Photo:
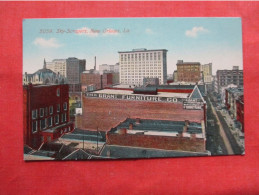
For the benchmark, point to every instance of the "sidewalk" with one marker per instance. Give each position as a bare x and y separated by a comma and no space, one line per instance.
236,132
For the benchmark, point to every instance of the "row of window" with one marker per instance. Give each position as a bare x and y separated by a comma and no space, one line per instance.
47,111
140,75
140,63
137,79
143,56
48,122
137,72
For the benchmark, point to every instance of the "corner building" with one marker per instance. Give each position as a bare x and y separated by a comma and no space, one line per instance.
188,71
142,63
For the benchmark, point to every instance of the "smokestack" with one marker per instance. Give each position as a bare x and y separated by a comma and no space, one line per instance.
44,64
130,126
94,62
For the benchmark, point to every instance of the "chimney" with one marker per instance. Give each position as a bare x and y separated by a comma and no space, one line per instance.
130,126
186,122
44,64
193,136
108,153
180,134
184,129
94,62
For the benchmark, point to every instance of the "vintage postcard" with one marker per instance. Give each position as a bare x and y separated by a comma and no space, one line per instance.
110,88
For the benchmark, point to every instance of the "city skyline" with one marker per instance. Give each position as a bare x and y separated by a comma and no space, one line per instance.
205,40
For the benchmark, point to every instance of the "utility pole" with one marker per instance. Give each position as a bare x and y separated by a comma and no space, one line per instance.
97,138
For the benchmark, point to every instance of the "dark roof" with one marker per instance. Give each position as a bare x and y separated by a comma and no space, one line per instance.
44,70
78,154
160,125
138,152
86,135
27,149
145,90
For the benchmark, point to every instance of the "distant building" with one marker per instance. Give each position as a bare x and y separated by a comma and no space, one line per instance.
105,68
140,63
46,113
151,81
227,77
91,80
206,70
188,71
175,77
44,76
71,68
159,134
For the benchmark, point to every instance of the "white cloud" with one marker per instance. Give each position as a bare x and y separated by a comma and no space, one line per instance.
195,31
47,43
149,31
87,32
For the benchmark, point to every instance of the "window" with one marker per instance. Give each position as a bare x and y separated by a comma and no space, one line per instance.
56,119
65,106
46,111
51,110
41,112
50,121
34,114
42,124
58,107
34,126
58,92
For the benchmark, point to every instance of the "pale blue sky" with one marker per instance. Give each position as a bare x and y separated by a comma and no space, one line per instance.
216,40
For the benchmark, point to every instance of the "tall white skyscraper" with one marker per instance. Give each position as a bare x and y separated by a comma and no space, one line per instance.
138,64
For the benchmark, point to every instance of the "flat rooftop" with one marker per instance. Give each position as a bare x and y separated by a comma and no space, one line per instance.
160,127
126,92
115,151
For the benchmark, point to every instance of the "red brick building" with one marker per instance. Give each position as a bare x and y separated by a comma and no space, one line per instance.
159,134
234,102
91,80
240,110
45,113
107,79
105,109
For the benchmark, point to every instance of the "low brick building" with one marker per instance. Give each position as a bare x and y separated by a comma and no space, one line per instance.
159,134
45,113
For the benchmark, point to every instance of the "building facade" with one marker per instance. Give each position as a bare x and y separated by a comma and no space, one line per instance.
228,77
206,70
188,71
71,69
109,68
104,109
91,80
140,63
159,134
46,113
234,102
